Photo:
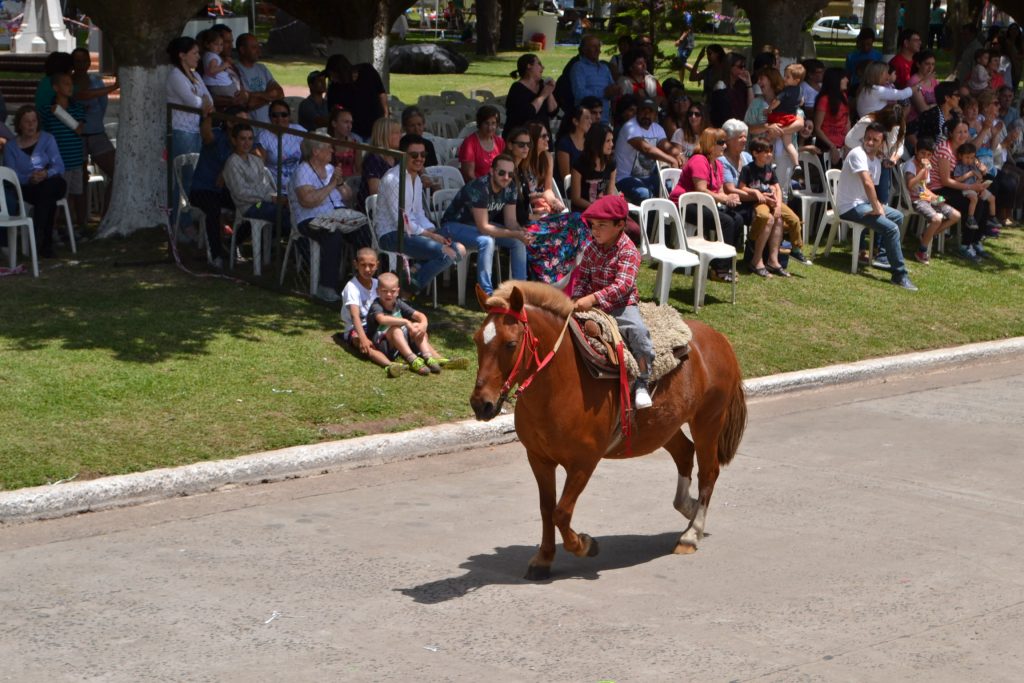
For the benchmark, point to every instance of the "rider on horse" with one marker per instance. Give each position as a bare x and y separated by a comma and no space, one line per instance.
607,279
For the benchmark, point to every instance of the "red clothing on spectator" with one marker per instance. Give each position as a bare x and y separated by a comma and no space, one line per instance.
835,127
903,67
471,150
699,168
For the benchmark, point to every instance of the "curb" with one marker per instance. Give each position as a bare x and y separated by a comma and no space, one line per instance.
45,502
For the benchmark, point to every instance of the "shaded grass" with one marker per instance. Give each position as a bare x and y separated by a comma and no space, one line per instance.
113,368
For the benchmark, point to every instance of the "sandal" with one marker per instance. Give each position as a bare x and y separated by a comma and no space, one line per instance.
778,270
720,277
761,272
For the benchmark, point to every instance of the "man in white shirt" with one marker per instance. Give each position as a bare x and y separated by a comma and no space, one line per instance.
857,202
641,144
421,241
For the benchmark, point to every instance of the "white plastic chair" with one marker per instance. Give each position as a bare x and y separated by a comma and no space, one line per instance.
61,203
809,199
260,229
15,221
180,162
393,256
656,246
442,125
450,178
669,178
467,130
707,250
835,223
314,259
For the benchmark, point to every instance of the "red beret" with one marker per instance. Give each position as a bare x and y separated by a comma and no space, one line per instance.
609,207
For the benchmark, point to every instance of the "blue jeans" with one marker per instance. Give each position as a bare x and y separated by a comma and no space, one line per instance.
471,237
638,189
420,248
888,227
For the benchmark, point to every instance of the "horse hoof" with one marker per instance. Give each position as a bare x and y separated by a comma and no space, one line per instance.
684,549
594,548
536,572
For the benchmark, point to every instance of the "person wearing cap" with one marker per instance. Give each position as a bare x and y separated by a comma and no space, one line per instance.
865,52
313,110
641,144
606,279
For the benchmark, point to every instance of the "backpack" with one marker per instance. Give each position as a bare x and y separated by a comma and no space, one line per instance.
563,88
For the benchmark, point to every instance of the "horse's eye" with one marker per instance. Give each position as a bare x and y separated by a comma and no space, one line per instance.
510,344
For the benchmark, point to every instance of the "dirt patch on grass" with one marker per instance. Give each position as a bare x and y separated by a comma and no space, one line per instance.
350,429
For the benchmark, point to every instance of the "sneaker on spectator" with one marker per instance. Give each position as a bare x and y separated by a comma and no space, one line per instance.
981,252
881,262
217,263
864,259
921,256
433,365
992,232
967,251
453,363
395,369
419,366
972,223
799,256
904,282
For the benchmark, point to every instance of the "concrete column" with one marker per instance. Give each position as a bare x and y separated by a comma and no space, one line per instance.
42,30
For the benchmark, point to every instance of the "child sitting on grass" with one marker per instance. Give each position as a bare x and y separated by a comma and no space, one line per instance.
936,211
969,170
782,111
359,293
399,330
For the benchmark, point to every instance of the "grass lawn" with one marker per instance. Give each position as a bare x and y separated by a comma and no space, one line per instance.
111,367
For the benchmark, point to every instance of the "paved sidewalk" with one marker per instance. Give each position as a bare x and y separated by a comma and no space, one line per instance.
868,532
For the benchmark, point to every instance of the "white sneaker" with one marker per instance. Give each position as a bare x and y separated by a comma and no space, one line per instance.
642,399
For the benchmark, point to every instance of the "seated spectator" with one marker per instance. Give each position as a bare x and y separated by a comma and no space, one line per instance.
733,94
249,182
481,147
876,91
857,202
536,177
832,114
34,156
313,109
674,117
970,171
91,92
400,331
483,214
421,241
939,215
414,123
593,174
768,213
640,146
531,97
386,135
704,173
931,123
347,158
638,82
208,193
291,152
356,298
570,141
892,122
69,141
315,192
687,137
735,156
924,76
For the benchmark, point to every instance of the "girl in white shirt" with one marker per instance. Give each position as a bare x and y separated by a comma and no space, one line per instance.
876,90
216,71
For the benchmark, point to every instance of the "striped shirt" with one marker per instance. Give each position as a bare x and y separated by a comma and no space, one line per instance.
72,150
609,273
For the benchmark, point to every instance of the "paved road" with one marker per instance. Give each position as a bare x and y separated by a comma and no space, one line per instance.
868,533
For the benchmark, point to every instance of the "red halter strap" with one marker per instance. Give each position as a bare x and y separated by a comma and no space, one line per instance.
528,345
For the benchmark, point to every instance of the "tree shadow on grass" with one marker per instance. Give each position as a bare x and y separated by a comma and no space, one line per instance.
507,565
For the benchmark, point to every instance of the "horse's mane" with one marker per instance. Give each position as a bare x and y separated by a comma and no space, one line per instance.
534,293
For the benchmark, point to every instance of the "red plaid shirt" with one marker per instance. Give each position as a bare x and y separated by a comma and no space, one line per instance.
609,273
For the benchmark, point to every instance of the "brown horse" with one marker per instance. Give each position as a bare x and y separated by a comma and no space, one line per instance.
566,417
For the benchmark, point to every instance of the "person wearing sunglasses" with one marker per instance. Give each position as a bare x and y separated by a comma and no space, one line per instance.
687,136
483,214
421,241
291,152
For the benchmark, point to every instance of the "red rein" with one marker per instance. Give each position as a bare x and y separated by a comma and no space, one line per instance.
529,340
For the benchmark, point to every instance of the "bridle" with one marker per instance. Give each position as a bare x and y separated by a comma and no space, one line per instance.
528,350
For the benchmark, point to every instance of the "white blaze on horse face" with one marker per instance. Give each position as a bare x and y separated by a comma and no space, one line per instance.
490,332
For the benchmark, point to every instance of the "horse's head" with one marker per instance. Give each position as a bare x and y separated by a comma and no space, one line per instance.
497,346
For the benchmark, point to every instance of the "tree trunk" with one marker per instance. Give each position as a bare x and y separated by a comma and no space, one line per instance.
780,22
890,30
728,9
486,26
870,17
960,12
916,16
139,32
511,13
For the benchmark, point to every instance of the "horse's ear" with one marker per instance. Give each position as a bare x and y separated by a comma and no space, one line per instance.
482,297
515,302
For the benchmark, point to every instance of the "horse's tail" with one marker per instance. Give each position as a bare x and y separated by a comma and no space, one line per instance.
735,423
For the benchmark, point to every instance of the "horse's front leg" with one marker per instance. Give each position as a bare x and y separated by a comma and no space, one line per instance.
544,471
576,478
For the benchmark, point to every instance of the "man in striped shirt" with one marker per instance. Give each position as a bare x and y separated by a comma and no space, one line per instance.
607,280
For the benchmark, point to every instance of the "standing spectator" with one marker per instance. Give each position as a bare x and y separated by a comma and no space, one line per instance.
641,144
478,151
531,97
91,93
358,88
865,52
421,241
615,64
876,91
1013,48
832,114
208,193
313,109
980,76
56,63
571,135
704,173
34,157
1007,113
936,25
260,86
903,62
69,141
592,78
637,81
686,42
715,71
184,87
731,96
280,166
857,202
386,134
483,214
347,158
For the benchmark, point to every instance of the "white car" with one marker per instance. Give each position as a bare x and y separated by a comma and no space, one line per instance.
835,27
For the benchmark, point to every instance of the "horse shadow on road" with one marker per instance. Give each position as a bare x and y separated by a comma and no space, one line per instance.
507,565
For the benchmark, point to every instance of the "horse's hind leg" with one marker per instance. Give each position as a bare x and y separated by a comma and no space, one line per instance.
540,564
681,450
706,442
